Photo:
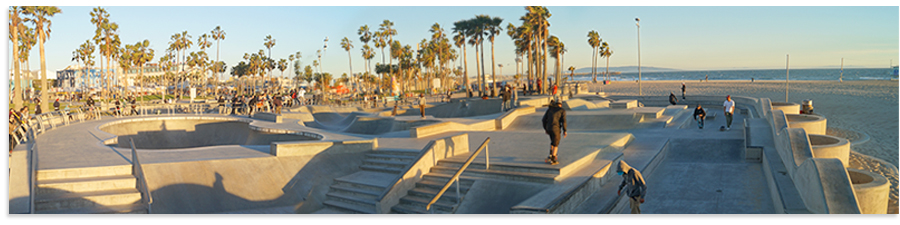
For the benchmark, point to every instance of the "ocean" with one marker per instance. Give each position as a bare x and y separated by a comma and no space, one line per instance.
772,74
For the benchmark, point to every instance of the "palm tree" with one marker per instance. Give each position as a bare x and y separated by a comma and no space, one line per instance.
217,34
203,42
368,53
461,28
396,52
365,36
100,18
594,42
85,54
536,17
140,54
493,29
184,44
40,16
556,50
571,73
605,51
269,42
346,44
282,65
388,31
16,24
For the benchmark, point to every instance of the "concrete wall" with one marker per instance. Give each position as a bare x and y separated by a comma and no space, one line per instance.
504,121
433,152
787,107
311,148
827,146
271,117
812,123
872,191
437,128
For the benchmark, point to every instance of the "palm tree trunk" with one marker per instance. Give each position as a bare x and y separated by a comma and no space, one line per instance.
594,64
607,67
493,75
17,94
466,72
45,89
483,72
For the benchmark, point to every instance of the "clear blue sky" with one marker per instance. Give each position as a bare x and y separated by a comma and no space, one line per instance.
680,37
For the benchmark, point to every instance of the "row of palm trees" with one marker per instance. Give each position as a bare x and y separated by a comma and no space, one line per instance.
39,17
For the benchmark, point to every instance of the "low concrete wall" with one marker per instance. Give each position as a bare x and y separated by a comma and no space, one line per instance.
872,191
827,146
504,121
812,123
437,128
272,117
787,107
311,148
435,151
302,116
825,187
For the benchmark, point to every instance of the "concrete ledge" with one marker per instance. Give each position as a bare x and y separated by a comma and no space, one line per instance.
787,107
872,191
268,117
437,128
825,187
623,104
812,123
433,152
302,116
506,119
649,112
567,196
311,148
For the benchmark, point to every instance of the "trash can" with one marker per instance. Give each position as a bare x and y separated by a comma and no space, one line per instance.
807,107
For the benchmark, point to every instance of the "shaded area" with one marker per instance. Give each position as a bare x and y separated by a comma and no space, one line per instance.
172,134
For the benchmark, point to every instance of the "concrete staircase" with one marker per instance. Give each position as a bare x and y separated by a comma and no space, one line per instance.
109,189
358,192
417,198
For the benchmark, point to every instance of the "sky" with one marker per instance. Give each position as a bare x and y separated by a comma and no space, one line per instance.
678,37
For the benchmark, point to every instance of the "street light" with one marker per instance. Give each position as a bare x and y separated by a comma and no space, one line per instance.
637,21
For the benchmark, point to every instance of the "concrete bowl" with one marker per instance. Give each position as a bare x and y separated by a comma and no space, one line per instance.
813,124
871,191
827,146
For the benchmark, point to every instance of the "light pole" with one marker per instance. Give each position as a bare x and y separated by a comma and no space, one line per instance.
637,21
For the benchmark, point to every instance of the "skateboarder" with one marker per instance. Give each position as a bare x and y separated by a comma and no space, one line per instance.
633,184
672,98
682,90
699,116
554,120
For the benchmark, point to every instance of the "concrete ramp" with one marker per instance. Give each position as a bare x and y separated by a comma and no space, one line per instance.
381,125
461,108
183,133
581,121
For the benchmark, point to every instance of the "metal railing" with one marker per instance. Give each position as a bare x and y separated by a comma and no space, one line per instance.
138,172
455,178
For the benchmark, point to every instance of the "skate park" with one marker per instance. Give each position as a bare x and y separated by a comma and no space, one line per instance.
335,160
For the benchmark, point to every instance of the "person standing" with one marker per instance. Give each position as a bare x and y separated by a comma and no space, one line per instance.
221,102
504,94
278,103
133,103
682,90
421,105
56,105
729,111
672,98
633,184
553,121
699,116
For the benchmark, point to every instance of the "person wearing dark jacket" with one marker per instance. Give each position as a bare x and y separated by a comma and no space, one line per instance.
699,116
278,103
633,184
672,98
504,94
553,121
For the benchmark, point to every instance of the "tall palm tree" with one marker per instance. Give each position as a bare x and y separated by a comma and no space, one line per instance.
346,44
100,19
536,17
16,24
368,53
594,42
387,30
141,54
203,42
571,73
217,34
364,36
492,27
461,28
605,51
85,54
269,42
396,52
184,44
556,50
39,17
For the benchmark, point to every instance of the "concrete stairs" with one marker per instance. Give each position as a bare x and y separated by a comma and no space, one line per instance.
109,189
357,192
417,198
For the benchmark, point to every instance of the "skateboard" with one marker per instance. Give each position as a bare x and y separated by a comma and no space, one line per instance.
551,161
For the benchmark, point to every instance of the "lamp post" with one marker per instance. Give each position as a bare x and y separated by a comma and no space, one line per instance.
637,21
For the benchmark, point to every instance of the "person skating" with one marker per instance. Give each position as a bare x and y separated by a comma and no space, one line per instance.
729,111
553,121
699,116
633,184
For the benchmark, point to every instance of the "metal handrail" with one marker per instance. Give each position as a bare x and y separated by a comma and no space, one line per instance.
455,178
138,171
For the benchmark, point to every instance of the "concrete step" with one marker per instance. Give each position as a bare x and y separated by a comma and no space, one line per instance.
57,201
83,184
436,185
363,193
421,202
439,179
53,174
382,169
350,199
388,157
386,163
457,163
411,209
505,175
137,208
449,196
347,207
366,180
394,151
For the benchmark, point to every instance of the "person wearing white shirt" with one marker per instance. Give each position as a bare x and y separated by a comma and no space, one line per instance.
729,111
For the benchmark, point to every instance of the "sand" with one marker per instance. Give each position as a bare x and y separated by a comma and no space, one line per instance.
854,109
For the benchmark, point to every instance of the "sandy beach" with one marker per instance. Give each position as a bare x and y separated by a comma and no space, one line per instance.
865,112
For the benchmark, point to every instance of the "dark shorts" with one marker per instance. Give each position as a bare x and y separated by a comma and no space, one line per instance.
554,137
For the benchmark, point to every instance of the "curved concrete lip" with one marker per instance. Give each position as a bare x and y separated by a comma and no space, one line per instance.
252,124
865,179
783,103
803,117
826,140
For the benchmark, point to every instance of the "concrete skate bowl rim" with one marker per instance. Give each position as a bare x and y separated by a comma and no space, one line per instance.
357,118
114,139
